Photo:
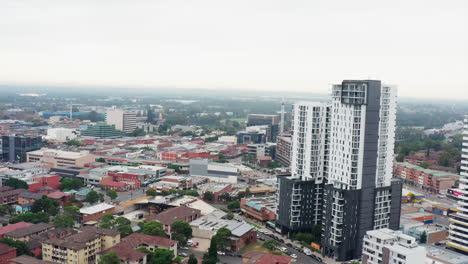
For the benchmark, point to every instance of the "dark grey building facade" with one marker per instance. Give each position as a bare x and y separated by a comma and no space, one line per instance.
14,148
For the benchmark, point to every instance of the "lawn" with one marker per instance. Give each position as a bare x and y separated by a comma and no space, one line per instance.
256,226
258,246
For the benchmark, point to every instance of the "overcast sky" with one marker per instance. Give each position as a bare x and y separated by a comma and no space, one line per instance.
419,45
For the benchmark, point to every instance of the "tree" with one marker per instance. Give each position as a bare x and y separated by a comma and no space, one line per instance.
221,238
138,132
162,256
102,160
230,216
17,184
271,244
211,257
233,205
225,197
425,165
209,196
151,192
64,221
125,230
247,191
109,258
92,197
45,204
112,194
192,193
74,142
412,198
153,228
423,238
21,247
6,209
71,210
181,231
192,259
40,217
70,184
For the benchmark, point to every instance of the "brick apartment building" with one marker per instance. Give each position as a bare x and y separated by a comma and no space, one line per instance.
429,180
6,253
96,212
181,213
52,181
8,195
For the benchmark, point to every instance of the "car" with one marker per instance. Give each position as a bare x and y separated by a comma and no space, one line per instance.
293,256
289,245
183,254
261,238
184,248
221,253
283,249
281,240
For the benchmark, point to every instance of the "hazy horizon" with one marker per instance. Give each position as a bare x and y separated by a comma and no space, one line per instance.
262,46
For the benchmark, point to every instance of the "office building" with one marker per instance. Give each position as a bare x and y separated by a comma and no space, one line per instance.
360,194
15,147
283,150
458,233
262,120
388,246
122,120
300,195
60,158
102,130
61,134
215,172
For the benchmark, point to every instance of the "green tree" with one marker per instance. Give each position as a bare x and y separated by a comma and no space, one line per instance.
271,244
74,143
211,257
17,184
40,217
112,194
125,230
103,160
67,184
109,258
92,197
181,231
64,221
192,259
230,216
192,193
71,210
138,132
423,238
225,197
153,228
6,209
151,192
162,256
233,205
21,247
45,204
222,238
425,165
209,196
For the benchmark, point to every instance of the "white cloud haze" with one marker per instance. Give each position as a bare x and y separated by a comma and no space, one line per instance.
419,45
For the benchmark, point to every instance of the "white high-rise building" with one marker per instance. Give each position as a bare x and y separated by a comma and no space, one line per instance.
300,196
458,233
388,246
360,194
122,120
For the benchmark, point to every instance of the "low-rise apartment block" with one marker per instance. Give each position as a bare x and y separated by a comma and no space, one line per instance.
388,246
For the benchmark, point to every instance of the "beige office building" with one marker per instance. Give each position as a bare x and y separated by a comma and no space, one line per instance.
60,158
122,120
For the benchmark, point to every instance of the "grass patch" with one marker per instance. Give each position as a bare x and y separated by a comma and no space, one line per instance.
258,246
256,226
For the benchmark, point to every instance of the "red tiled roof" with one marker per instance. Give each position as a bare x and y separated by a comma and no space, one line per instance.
124,252
274,259
4,249
13,227
135,240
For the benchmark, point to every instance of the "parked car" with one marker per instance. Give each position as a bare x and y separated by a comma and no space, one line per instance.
183,254
283,249
221,253
293,256
289,245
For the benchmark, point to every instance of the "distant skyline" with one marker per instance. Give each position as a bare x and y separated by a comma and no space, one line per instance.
265,45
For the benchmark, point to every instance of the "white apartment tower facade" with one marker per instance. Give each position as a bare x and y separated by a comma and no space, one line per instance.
341,168
300,195
458,232
122,120
360,194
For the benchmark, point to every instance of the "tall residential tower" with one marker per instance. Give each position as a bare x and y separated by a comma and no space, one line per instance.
458,233
360,194
341,168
